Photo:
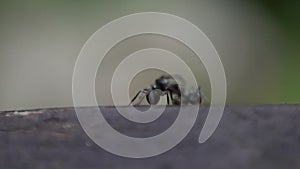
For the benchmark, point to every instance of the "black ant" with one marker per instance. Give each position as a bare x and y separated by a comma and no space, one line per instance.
166,85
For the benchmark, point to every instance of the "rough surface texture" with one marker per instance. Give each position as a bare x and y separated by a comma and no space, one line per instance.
248,137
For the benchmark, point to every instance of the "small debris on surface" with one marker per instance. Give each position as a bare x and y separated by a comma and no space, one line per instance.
23,113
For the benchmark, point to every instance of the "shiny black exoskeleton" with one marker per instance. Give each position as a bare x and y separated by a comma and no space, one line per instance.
167,86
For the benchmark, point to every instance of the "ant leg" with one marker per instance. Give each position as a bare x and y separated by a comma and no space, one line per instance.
172,99
141,91
135,97
168,101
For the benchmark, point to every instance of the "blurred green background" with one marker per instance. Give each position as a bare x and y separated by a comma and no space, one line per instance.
258,42
287,15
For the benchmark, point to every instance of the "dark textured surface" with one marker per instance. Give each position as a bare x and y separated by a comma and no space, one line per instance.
248,137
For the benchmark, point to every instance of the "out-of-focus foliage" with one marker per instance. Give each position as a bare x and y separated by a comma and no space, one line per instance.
287,14
258,42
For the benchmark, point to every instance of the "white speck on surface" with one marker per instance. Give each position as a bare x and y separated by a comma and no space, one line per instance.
23,113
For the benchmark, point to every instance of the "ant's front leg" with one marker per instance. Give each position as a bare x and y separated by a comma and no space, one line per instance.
145,91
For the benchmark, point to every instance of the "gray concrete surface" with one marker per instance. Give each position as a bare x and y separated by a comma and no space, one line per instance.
248,137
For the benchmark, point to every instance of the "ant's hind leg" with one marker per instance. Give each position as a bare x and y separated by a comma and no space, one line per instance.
171,96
